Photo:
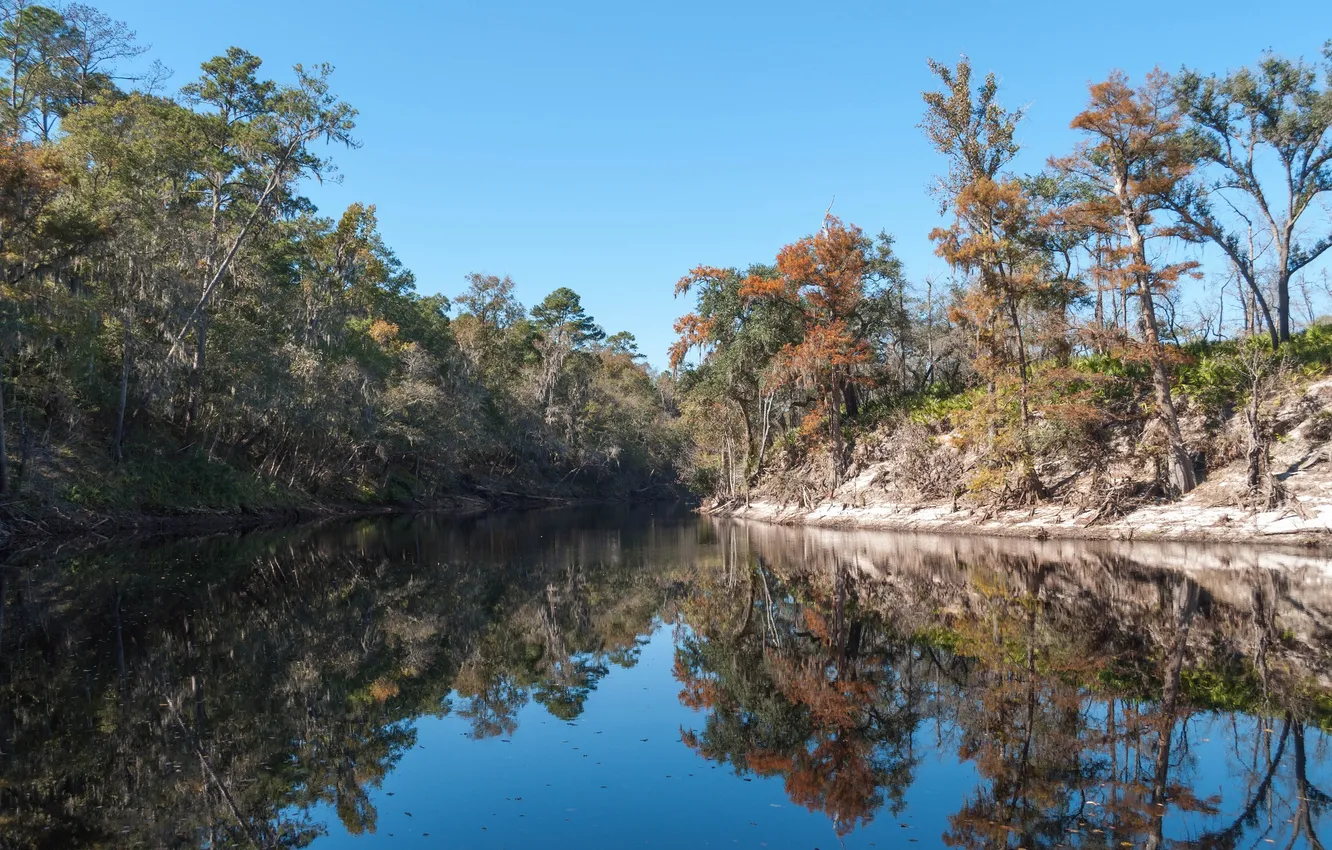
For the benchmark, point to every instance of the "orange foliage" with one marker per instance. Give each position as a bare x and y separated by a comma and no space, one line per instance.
694,332
385,334
698,274
382,690
822,277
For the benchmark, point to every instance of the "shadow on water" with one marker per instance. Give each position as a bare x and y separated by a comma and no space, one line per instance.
259,690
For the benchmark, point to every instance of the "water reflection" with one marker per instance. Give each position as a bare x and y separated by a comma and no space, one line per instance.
239,690
1071,677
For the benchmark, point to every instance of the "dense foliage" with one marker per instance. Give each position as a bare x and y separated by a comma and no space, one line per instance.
1062,331
180,327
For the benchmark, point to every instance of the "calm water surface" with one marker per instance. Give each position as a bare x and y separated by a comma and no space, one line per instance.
651,679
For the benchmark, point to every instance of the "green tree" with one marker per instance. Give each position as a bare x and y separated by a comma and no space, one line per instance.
1278,108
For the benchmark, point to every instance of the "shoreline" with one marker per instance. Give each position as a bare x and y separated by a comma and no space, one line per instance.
22,535
21,532
1308,526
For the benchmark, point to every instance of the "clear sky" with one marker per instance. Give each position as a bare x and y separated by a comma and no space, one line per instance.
610,147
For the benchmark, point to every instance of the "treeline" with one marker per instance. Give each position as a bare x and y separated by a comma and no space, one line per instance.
180,326
1060,330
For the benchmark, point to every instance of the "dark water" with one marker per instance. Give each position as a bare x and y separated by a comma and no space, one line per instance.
617,679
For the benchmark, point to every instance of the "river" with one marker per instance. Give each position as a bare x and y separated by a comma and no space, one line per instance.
610,678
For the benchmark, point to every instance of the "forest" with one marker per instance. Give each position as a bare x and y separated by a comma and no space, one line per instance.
182,330
1059,360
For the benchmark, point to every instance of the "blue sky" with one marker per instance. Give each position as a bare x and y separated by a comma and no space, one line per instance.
610,147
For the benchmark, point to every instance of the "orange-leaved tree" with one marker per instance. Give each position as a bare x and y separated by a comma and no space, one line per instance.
822,278
1136,157
993,239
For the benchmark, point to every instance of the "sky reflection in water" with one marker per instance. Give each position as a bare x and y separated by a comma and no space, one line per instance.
630,680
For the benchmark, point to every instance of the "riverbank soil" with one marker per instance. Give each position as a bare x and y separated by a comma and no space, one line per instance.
901,477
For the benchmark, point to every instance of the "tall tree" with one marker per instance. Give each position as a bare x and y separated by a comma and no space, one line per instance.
97,45
993,235
563,328
737,339
1278,108
130,164
828,280
1135,155
259,139
34,41
561,314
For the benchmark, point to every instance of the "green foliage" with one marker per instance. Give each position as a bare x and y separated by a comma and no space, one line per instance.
1212,377
1221,690
321,371
940,637
937,405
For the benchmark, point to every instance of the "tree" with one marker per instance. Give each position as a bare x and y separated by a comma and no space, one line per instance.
96,46
974,132
1277,108
490,299
130,164
563,328
833,282
623,343
34,40
258,139
994,235
1136,157
30,244
737,339
560,314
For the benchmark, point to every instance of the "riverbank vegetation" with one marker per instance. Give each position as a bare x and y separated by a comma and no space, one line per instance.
181,328
1060,360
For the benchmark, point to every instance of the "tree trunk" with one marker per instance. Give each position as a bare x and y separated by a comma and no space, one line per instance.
1178,462
835,424
1283,306
852,399
1250,276
749,434
1257,454
1185,605
1022,365
117,440
4,448
197,370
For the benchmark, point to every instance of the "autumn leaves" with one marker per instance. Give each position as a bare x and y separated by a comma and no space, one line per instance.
832,325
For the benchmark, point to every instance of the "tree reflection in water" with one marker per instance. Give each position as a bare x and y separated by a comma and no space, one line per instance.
216,693
1072,685
211,693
